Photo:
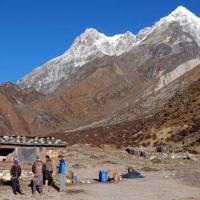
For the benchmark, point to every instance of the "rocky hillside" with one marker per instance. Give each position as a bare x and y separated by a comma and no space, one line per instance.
17,115
86,47
176,125
108,97
11,114
171,33
149,73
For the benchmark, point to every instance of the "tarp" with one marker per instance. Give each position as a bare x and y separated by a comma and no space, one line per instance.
134,174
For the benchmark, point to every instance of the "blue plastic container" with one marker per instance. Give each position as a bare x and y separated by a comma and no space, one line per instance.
103,176
74,179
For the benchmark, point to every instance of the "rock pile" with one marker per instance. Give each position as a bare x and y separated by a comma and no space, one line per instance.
5,175
31,141
160,153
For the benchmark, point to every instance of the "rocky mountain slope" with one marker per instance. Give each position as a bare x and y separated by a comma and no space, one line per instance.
176,125
92,44
112,84
17,115
86,47
11,117
105,83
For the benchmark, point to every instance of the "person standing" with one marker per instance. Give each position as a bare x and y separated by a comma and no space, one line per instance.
15,173
49,171
62,168
38,168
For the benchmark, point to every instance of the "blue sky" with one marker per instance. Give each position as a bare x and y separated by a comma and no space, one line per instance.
35,31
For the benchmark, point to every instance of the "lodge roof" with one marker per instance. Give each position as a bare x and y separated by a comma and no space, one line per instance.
31,141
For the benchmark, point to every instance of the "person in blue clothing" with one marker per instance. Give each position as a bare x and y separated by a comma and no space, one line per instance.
62,169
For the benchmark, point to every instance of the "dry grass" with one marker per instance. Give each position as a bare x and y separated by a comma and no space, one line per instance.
109,162
149,169
75,191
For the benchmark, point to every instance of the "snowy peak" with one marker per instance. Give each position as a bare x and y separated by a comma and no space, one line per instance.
89,37
180,11
184,18
93,40
182,14
92,44
91,32
88,46
188,20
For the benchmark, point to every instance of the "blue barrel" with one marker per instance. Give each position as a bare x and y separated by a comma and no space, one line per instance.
103,176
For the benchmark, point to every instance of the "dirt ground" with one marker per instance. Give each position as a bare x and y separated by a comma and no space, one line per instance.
164,180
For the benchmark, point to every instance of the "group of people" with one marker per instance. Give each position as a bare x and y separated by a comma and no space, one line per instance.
43,175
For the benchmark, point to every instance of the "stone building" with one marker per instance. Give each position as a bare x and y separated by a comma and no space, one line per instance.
28,148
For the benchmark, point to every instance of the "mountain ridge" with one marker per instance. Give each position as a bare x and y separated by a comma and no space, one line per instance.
110,90
92,44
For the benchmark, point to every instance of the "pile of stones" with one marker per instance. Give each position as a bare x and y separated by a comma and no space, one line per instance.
160,153
22,140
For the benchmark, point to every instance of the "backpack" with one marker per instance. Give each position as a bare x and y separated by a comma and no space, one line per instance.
38,168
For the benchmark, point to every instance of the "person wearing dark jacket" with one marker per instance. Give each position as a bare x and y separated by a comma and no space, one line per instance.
49,173
49,170
15,173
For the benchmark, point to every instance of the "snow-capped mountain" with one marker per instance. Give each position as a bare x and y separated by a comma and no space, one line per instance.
139,75
86,47
189,22
92,44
